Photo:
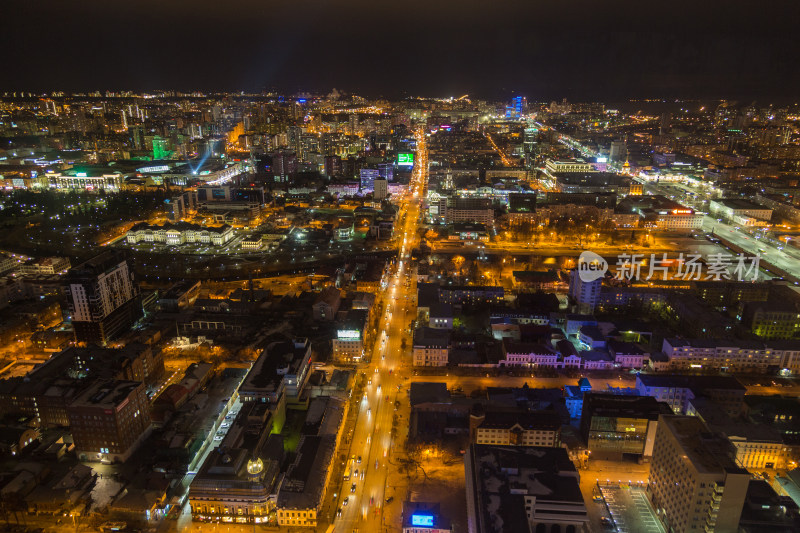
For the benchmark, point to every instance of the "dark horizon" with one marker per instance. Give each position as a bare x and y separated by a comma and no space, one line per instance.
578,50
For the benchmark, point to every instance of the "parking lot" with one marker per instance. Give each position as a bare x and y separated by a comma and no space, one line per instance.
629,509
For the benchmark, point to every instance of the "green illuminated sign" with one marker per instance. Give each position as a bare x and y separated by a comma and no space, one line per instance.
405,159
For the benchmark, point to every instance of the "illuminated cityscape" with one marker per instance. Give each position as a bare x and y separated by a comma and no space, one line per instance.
505,277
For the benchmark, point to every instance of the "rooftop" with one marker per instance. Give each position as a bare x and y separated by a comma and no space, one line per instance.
303,484
504,475
708,453
106,394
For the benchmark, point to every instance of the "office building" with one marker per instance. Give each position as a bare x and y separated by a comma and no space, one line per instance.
618,425
368,177
517,108
109,420
478,210
103,298
282,368
694,484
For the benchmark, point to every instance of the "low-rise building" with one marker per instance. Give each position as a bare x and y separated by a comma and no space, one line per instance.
180,296
179,233
424,517
431,347
470,294
627,355
678,391
237,480
773,319
326,305
530,355
44,266
516,428
734,355
302,490
516,488
731,208
440,316
757,446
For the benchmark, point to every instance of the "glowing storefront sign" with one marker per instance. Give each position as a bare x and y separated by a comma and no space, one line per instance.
424,520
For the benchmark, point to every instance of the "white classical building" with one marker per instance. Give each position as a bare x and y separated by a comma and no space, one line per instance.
180,233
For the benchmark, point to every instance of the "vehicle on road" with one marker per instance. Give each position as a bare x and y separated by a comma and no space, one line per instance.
346,500
353,487
390,499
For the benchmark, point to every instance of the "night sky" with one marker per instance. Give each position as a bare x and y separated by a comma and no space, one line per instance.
545,49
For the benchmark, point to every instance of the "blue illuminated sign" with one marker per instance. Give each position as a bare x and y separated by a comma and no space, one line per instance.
425,520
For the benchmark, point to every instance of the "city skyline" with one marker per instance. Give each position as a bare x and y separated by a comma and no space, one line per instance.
588,52
418,267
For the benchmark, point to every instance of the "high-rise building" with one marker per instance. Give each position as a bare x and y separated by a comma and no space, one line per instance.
109,419
103,298
618,151
518,106
284,165
585,293
175,208
333,165
161,148
381,189
694,484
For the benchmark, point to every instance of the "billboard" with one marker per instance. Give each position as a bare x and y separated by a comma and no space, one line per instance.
348,334
424,520
405,159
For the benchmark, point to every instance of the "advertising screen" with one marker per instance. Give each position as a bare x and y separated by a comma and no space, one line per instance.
422,520
405,160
